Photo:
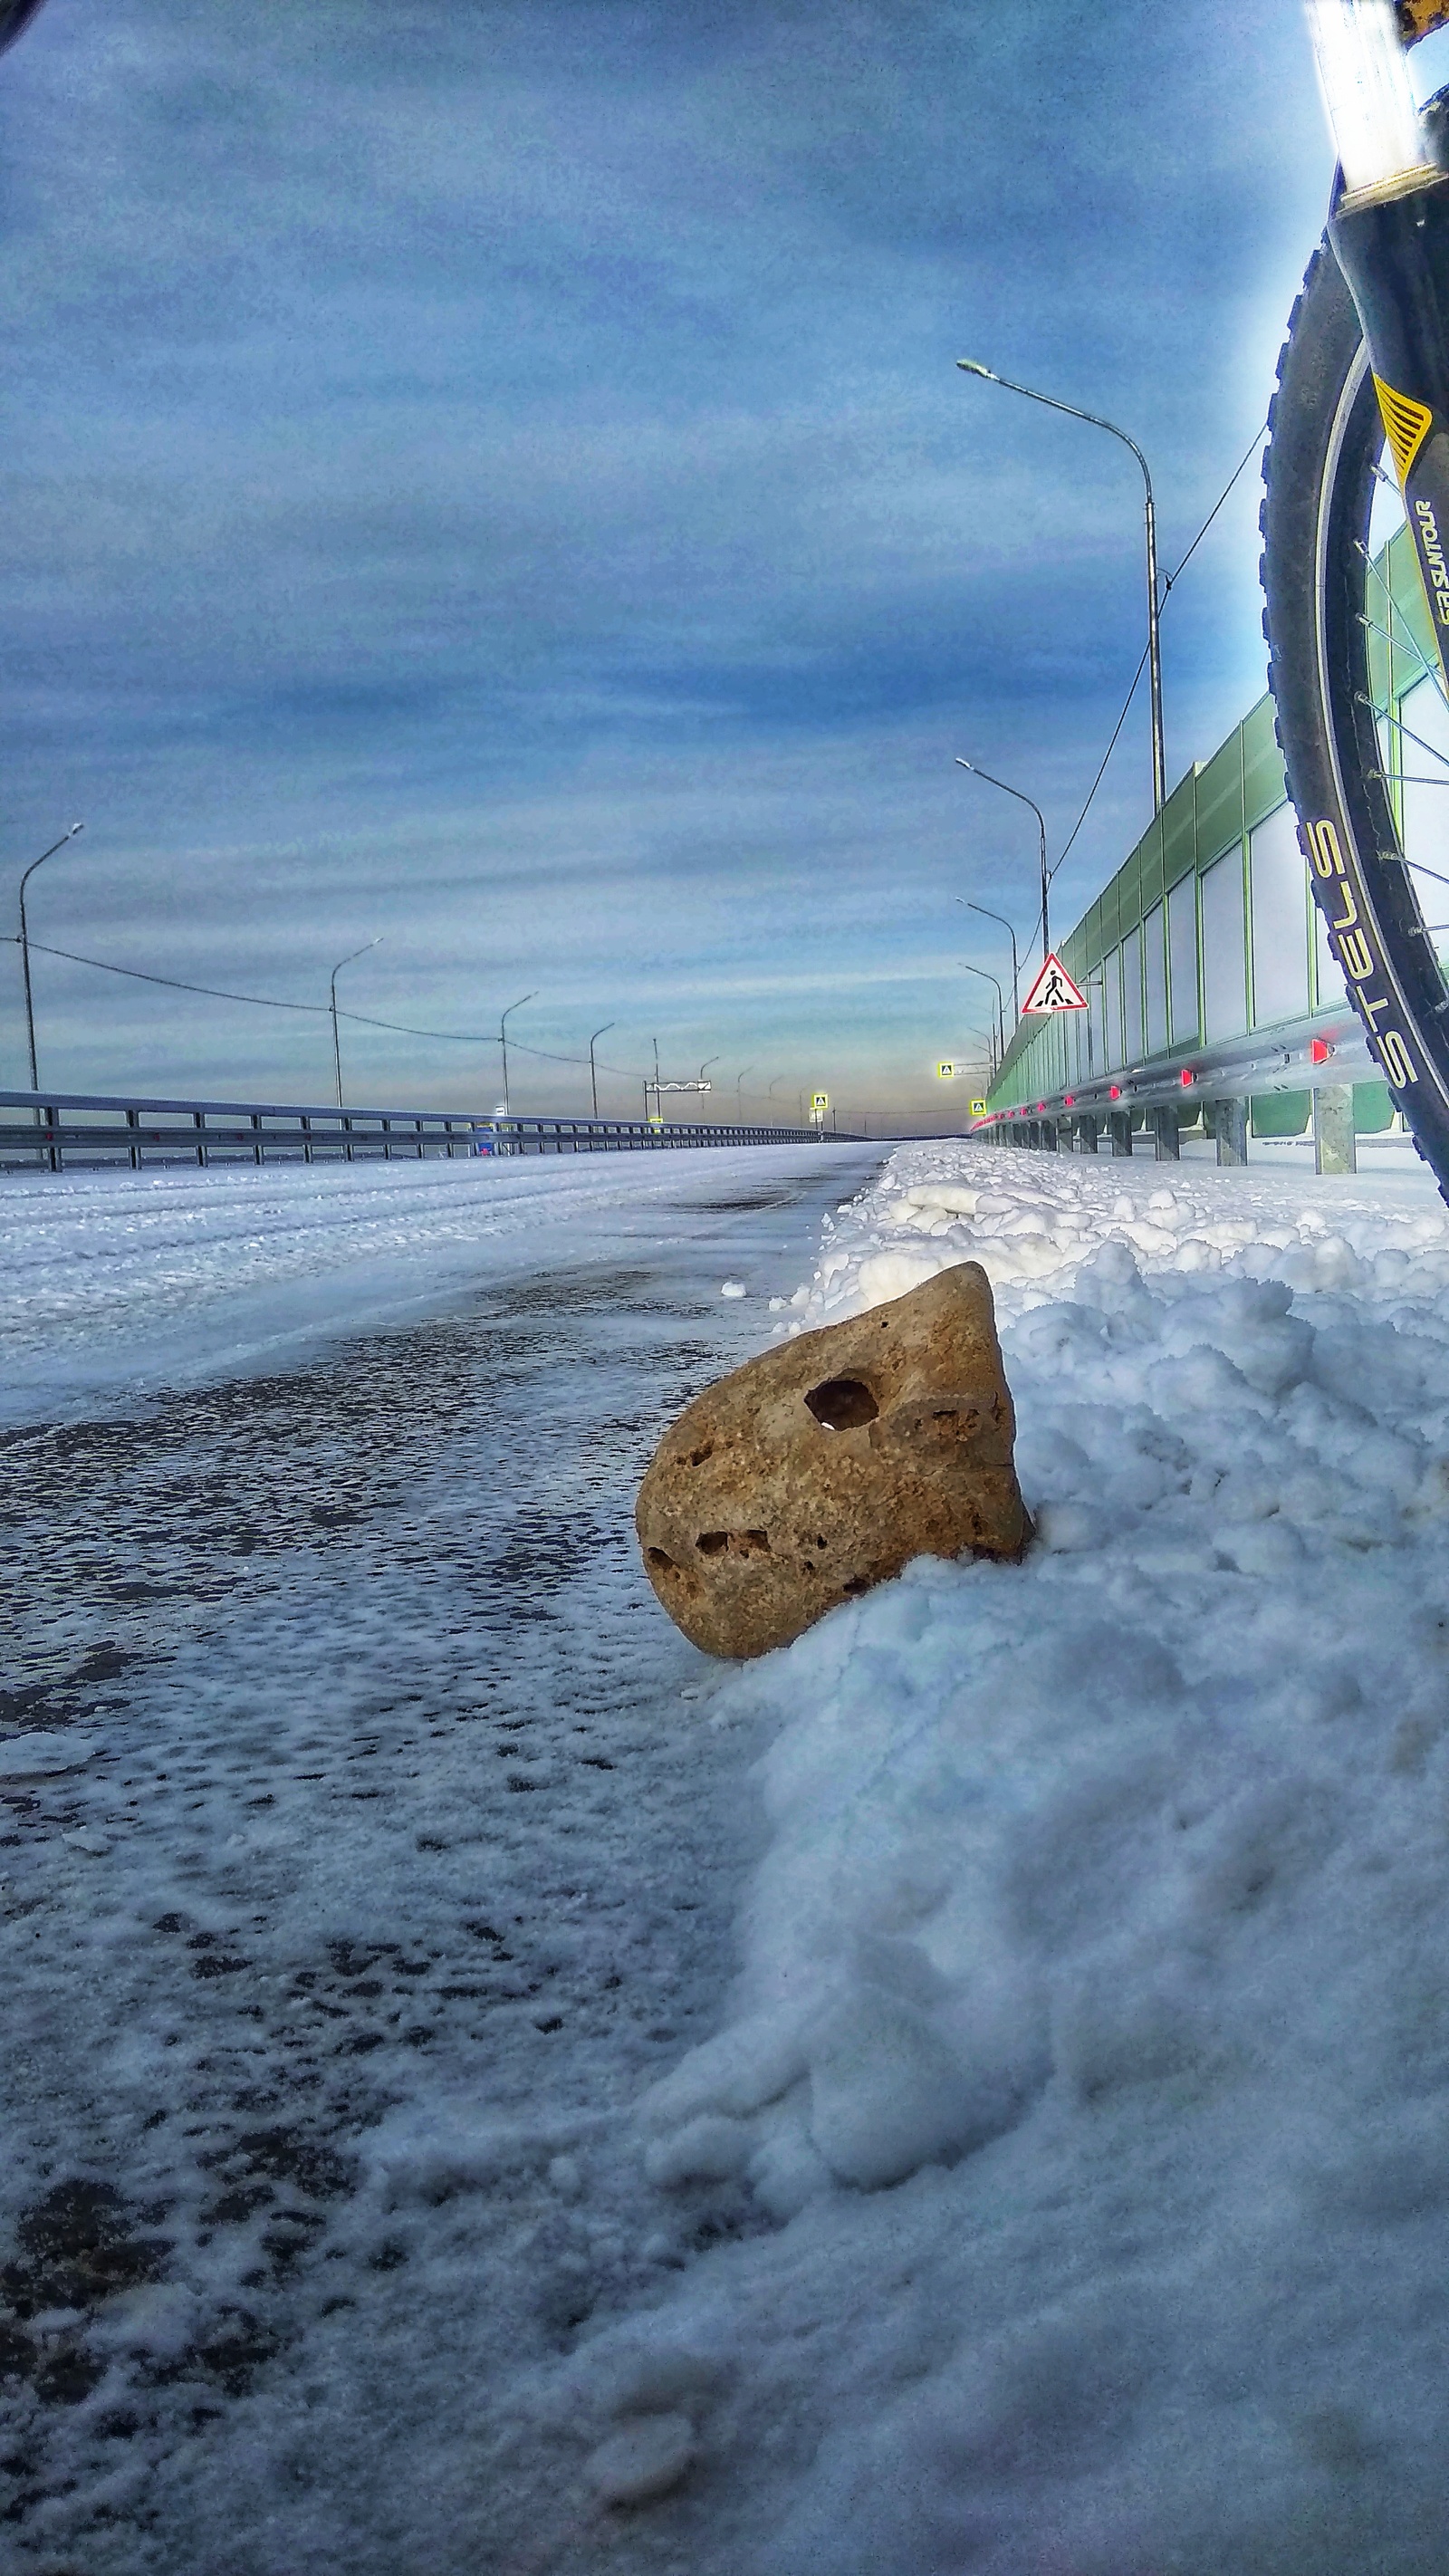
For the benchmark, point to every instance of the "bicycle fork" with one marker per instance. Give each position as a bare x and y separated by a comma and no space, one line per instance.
1390,230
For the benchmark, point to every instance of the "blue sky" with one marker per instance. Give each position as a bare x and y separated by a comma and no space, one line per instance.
497,477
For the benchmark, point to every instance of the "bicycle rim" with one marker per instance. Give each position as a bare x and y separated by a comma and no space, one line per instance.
1326,440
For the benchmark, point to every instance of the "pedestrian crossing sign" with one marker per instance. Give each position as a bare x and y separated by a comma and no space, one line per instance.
819,1099
1054,990
978,1108
945,1072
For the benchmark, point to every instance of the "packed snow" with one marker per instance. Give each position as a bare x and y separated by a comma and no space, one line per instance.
1062,2183
114,1284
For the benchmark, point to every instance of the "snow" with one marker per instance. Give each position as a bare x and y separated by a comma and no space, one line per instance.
1062,2181
1090,2053
115,1284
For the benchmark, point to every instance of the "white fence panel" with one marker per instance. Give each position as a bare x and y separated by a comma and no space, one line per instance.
1224,951
1132,998
1182,960
1154,950
1279,880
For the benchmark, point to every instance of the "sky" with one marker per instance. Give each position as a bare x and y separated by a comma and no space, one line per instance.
494,479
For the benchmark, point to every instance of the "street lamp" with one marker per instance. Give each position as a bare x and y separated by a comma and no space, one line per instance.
987,977
25,947
969,1031
336,971
739,1096
1046,875
503,1042
973,367
593,1077
988,915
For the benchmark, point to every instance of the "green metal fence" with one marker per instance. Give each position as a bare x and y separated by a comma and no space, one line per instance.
1208,932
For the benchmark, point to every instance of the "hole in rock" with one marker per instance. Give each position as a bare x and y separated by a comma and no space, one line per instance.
754,1542
857,1584
842,1404
697,1457
661,1563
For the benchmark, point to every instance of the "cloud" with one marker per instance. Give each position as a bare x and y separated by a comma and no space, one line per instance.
498,475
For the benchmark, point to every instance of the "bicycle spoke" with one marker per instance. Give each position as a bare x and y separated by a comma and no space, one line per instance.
1394,641
1398,725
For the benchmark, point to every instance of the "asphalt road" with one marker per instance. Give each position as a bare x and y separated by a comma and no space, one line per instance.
399,1853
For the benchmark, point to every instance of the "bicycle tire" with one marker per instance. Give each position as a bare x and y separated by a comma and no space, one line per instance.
1325,438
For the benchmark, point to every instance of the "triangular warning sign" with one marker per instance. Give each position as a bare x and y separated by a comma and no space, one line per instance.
1054,990
1408,424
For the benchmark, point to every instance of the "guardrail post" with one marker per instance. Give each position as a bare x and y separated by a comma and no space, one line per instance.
133,1150
1120,1125
1164,1129
1335,1140
1231,1125
306,1138
198,1120
257,1148
1086,1135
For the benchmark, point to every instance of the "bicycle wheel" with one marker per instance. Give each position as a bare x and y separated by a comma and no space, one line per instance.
1320,470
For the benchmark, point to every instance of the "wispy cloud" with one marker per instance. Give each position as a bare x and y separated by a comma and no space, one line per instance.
498,475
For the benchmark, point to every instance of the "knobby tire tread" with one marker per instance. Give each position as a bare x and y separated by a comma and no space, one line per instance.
1323,443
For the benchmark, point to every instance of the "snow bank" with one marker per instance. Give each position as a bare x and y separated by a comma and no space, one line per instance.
1089,2062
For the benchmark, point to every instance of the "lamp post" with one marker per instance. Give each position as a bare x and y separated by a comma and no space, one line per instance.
988,915
503,1041
770,1087
336,971
739,1095
1046,874
987,977
703,1085
973,367
970,1032
25,947
593,1077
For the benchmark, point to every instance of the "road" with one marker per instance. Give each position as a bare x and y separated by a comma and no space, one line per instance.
390,1851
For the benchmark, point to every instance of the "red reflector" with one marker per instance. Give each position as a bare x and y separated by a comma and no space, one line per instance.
1186,1079
1069,1100
1113,1092
1040,1108
1319,1051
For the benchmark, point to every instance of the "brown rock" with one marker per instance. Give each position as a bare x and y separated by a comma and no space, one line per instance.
823,1466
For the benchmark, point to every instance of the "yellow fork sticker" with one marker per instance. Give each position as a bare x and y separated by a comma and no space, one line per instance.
1407,424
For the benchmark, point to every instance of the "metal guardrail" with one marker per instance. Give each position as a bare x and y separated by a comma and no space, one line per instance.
56,1131
1320,1052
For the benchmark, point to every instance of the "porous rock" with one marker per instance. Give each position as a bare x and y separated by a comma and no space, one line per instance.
824,1466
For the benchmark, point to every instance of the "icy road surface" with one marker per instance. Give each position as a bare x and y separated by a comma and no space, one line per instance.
351,1797
496,2095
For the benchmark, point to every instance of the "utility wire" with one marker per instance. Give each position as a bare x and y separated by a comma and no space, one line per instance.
1169,578
213,991
1168,581
268,1002
544,1055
